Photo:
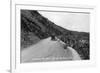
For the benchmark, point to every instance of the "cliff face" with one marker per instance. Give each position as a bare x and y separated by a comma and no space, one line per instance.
35,27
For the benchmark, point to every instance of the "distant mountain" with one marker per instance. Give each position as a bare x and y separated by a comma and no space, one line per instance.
35,27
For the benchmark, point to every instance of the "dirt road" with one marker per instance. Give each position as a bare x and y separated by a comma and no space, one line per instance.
47,50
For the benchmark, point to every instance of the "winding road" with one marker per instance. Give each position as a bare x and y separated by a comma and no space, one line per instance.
48,50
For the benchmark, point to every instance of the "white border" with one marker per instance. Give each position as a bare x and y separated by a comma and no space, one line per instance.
15,49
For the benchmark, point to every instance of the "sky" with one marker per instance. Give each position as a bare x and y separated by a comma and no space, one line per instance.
72,21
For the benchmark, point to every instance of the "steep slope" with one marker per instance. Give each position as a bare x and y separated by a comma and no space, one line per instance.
35,27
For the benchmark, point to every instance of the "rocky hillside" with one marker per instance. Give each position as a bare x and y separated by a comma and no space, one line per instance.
35,27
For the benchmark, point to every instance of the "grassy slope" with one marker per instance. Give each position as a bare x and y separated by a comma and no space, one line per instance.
35,27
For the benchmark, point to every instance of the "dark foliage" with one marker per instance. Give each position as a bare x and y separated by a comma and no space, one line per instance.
35,27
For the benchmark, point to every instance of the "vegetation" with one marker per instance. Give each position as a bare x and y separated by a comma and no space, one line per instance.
35,27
